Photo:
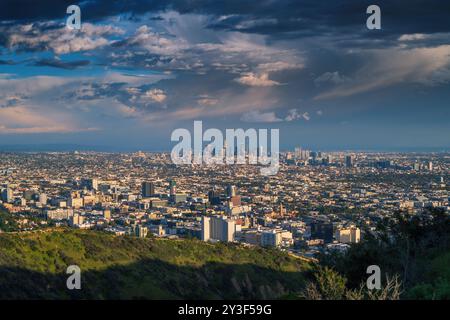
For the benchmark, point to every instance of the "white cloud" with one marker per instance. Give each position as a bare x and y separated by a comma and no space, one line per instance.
255,80
279,66
157,43
156,95
412,37
205,100
257,116
294,114
60,40
23,120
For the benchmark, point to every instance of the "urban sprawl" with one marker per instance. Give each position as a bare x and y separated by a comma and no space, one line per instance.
317,202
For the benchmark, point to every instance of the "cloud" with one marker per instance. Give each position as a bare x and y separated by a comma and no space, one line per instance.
294,114
279,66
56,37
11,100
56,63
156,95
257,116
154,42
254,80
6,62
206,100
387,67
22,120
413,37
330,77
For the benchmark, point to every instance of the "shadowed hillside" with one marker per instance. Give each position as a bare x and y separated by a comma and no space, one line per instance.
33,266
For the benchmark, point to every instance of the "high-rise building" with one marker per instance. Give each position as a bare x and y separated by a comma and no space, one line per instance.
231,191
90,184
7,195
172,187
43,199
271,238
348,235
148,189
75,202
322,230
218,228
430,166
349,161
206,228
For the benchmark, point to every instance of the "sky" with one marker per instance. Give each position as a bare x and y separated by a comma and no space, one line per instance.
138,69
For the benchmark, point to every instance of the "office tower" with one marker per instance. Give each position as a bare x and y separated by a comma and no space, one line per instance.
322,230
330,159
231,191
430,166
349,161
213,197
298,153
43,199
90,184
172,187
305,154
416,166
148,189
7,195
271,238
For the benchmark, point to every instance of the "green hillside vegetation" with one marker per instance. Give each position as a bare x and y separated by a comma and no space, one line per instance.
415,250
413,253
33,265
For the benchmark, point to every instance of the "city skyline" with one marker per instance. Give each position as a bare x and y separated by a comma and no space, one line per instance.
137,71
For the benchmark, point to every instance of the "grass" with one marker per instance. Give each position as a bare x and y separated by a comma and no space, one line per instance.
122,267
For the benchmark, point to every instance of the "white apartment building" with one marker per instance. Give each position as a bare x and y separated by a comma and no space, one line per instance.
348,235
218,228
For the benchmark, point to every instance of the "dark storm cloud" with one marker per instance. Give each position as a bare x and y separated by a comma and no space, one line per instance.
6,62
283,18
68,65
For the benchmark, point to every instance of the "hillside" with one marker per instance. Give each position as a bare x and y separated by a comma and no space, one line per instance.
33,266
